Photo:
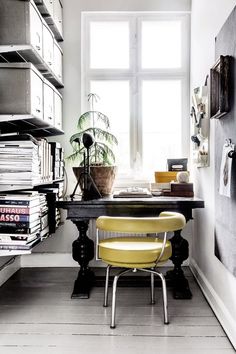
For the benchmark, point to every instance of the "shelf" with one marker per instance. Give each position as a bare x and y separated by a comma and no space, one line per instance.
20,252
27,53
6,253
30,54
21,187
54,29
27,124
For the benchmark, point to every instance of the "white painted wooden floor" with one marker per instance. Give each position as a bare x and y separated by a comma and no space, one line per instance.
37,316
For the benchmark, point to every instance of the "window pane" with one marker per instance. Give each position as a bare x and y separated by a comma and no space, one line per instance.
161,44
109,45
114,102
161,120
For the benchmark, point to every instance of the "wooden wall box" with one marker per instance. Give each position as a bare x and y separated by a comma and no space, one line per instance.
25,94
21,90
20,23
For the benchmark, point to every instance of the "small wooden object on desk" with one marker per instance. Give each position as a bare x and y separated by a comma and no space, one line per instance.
180,190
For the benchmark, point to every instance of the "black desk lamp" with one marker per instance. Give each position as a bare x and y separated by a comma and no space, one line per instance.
88,186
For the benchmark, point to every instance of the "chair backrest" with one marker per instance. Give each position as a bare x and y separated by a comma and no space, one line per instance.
166,221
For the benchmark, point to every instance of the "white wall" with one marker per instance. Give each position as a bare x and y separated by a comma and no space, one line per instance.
218,284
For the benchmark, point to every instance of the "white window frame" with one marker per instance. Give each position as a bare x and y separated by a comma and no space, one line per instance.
135,74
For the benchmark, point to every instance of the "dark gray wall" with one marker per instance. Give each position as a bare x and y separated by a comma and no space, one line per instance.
225,127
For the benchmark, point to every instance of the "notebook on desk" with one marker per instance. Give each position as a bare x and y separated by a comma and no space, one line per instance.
133,192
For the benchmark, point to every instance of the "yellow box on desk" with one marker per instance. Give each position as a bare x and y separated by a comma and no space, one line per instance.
165,176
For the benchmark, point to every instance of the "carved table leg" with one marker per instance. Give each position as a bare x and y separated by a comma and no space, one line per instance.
83,252
176,276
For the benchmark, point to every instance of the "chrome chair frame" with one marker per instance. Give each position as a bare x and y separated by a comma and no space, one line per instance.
152,271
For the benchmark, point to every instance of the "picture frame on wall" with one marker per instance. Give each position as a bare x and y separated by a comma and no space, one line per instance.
219,87
200,125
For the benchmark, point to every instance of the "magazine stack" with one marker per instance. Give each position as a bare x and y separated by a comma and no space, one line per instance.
23,220
24,161
19,160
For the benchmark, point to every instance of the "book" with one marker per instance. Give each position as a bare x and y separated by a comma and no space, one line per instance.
5,209
21,202
19,231
25,224
13,138
16,240
44,233
26,246
20,195
133,192
17,218
165,176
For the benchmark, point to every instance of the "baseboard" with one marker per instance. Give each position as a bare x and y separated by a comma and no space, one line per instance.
226,320
63,260
10,269
47,260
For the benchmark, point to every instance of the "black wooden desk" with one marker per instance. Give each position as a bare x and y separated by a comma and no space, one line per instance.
80,212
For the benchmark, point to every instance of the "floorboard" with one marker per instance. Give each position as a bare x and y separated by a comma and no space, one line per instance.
39,317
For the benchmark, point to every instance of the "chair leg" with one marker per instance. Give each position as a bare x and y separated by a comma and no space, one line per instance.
105,303
152,289
164,291
113,306
164,298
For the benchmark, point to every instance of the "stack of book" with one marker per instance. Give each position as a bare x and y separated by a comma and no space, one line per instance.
53,192
133,192
19,160
43,215
57,153
45,161
23,220
26,161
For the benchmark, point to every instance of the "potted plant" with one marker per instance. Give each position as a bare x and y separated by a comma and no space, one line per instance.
102,156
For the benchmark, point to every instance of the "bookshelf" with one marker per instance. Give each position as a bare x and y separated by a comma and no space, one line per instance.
31,79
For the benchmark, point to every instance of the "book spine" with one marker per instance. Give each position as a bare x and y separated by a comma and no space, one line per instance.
20,247
25,203
15,218
16,231
14,225
15,210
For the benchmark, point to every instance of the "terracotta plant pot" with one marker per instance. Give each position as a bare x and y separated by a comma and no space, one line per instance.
103,177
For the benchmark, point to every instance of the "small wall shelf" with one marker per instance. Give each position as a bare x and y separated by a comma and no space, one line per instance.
27,53
27,124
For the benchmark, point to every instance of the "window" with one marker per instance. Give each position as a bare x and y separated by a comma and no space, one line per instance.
137,63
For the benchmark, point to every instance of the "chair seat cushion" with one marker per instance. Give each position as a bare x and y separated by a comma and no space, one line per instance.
133,252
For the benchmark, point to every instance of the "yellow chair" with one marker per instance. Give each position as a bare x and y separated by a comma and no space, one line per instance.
137,252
